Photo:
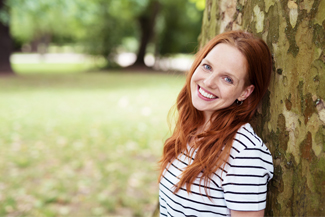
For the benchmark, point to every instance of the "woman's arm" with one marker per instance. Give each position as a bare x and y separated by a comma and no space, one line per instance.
247,213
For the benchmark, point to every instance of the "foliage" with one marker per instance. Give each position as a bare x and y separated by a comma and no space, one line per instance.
112,22
31,19
82,144
181,26
102,26
200,4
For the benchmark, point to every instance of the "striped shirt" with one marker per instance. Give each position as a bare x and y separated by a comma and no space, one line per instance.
242,185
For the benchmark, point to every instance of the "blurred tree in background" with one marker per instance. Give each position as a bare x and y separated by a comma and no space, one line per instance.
146,21
38,23
106,27
5,40
181,26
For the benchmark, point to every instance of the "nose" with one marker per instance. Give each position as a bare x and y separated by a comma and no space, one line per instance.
210,81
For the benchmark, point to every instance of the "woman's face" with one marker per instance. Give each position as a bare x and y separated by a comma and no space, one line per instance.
220,79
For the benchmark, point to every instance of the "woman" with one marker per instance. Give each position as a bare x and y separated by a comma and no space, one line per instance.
214,164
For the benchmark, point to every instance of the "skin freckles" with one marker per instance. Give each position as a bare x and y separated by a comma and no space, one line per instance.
219,80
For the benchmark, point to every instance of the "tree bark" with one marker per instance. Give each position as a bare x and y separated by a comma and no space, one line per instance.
291,119
147,24
5,45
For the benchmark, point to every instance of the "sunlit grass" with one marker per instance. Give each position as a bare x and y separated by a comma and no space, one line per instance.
54,68
47,64
82,144
50,68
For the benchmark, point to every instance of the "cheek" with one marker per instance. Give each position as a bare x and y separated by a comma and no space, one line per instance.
227,92
195,76
193,79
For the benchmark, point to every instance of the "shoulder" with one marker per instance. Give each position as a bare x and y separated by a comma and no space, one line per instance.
247,146
246,138
247,172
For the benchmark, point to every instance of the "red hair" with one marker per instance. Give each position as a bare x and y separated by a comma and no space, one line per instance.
214,144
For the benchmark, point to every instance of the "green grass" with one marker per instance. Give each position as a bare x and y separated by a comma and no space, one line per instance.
82,144
54,68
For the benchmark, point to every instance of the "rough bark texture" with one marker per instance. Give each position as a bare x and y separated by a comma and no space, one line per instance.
5,46
291,119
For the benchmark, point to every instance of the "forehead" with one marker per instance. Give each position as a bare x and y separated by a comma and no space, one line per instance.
228,58
224,51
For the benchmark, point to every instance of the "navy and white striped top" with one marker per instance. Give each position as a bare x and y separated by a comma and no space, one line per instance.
242,186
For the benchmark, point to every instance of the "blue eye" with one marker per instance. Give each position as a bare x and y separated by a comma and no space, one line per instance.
229,80
207,67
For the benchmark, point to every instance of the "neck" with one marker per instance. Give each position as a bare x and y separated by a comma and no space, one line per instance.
207,122
205,126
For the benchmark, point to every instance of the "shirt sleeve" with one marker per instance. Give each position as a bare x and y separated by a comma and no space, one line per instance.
245,184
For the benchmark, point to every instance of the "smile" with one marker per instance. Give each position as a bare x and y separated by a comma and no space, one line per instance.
206,95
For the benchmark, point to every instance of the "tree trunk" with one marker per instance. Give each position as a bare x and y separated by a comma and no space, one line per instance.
291,119
5,45
147,24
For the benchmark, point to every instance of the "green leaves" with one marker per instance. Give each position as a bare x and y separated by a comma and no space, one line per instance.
102,26
34,18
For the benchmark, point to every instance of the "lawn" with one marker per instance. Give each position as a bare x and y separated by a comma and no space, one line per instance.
83,144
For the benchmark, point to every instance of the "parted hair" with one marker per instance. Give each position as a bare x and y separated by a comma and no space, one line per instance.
213,145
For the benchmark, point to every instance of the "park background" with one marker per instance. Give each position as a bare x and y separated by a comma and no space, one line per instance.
82,137
85,90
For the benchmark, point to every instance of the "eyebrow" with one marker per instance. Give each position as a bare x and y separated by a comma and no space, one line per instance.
227,73
206,60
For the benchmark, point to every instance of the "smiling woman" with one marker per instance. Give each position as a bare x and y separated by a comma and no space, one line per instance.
220,79
214,164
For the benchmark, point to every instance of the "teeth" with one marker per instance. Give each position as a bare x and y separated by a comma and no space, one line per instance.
205,94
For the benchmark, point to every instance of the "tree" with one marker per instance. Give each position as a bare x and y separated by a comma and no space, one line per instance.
102,26
146,21
291,119
5,40
172,26
109,22
37,22
181,26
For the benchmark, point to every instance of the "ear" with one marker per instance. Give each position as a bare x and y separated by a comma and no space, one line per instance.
246,92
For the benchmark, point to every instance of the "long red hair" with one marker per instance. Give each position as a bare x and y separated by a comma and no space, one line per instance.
214,144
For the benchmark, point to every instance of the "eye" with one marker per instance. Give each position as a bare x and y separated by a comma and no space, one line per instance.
207,67
229,80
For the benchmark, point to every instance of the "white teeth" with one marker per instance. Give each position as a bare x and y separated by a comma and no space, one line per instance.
205,94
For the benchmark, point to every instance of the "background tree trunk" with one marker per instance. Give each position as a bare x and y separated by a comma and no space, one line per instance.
291,119
147,23
5,45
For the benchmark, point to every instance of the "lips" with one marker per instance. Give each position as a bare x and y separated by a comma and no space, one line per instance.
206,95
